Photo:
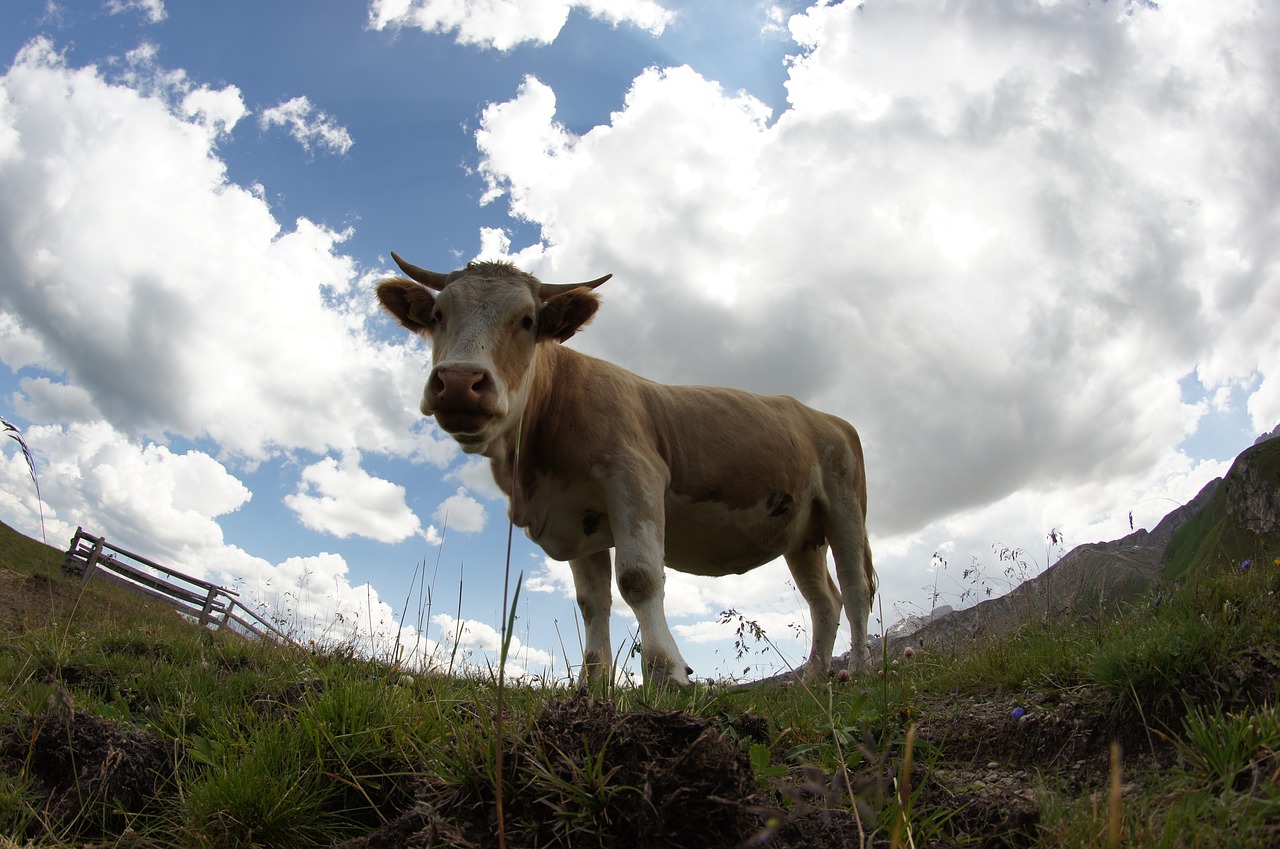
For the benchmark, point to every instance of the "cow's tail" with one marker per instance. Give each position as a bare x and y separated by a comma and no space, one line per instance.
869,568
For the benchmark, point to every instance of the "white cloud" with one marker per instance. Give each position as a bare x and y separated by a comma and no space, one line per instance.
119,222
461,512
551,576
997,266
152,10
218,110
341,498
476,474
995,240
311,598
152,499
480,644
46,401
164,506
308,126
503,24
149,300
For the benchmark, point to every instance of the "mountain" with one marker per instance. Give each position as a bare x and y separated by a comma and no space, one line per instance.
909,625
1227,523
1235,523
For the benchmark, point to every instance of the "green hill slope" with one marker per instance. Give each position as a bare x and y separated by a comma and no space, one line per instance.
1240,523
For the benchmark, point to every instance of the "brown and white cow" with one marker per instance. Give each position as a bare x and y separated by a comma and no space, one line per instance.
705,480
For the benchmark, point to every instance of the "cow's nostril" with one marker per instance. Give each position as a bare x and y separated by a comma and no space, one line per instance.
466,386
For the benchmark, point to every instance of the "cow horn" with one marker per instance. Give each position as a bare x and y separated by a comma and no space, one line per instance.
549,290
431,279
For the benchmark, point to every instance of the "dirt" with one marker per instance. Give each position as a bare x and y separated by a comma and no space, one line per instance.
677,780
80,762
591,776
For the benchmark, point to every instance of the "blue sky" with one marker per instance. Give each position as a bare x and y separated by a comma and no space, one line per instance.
1029,250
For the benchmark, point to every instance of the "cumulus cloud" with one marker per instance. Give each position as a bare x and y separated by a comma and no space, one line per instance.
165,505
461,512
308,126
503,24
996,241
119,227
152,10
479,648
152,498
342,499
311,598
217,111
155,227
140,486
476,474
998,267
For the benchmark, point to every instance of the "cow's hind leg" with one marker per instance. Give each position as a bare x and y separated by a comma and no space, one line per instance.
593,583
808,567
846,530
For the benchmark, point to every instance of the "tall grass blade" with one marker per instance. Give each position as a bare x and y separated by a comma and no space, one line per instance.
1113,810
11,431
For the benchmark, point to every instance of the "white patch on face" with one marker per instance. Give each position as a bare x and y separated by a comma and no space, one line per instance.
479,331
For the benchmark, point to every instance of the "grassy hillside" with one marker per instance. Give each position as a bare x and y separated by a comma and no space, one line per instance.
1215,537
123,725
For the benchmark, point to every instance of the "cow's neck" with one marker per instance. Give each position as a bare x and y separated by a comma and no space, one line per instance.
512,447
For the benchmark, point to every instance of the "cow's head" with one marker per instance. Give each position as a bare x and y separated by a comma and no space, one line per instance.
484,322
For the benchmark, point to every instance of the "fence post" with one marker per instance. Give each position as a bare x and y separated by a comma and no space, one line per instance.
70,563
208,606
92,562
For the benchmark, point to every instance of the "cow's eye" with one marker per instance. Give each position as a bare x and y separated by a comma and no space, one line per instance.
437,317
527,322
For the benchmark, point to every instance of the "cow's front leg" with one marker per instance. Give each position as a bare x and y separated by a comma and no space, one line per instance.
638,522
593,584
641,586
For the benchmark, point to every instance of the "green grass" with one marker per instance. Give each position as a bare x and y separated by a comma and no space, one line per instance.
259,745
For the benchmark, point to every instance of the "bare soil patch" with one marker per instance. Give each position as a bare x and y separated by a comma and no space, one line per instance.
81,763
591,776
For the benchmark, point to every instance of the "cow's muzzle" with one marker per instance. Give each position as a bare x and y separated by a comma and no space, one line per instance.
462,398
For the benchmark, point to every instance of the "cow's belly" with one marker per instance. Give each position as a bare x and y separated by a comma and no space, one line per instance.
705,538
702,537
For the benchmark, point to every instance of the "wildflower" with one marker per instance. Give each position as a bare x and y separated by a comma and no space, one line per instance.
1017,713
1276,562
1245,564
908,651
844,675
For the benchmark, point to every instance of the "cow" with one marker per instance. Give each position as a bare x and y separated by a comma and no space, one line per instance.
704,480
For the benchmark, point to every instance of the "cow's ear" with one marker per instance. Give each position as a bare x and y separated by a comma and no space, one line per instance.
411,303
564,315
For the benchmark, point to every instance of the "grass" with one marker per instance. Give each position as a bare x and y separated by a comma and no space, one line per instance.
243,743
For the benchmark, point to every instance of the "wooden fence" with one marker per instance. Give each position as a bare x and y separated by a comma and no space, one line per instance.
211,605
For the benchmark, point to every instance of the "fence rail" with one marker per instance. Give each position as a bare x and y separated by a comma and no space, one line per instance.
210,604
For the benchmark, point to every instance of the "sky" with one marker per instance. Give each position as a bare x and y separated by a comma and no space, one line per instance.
1029,248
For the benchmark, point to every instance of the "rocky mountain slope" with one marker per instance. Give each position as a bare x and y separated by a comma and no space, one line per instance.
1244,505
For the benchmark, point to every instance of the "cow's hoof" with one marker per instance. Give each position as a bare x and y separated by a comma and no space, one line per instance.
665,674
